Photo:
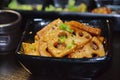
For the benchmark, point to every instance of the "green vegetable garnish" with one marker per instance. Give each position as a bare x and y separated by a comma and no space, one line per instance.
65,27
39,7
69,46
62,39
32,47
53,8
50,8
71,2
82,7
71,5
73,42
58,9
13,4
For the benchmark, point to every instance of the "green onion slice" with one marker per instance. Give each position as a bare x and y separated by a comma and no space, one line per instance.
65,27
62,39
32,47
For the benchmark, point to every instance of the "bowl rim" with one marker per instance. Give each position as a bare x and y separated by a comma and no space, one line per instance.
66,60
18,15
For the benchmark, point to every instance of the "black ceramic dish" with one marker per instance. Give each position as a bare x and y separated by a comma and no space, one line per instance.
10,30
65,67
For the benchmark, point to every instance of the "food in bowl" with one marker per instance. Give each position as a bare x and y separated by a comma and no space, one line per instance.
70,39
102,10
14,4
69,6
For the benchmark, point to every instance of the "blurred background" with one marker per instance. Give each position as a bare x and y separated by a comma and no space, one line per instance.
27,7
98,3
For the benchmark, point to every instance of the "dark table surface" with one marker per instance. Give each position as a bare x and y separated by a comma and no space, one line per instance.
10,69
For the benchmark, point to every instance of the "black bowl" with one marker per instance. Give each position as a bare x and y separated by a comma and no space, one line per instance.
66,67
10,30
